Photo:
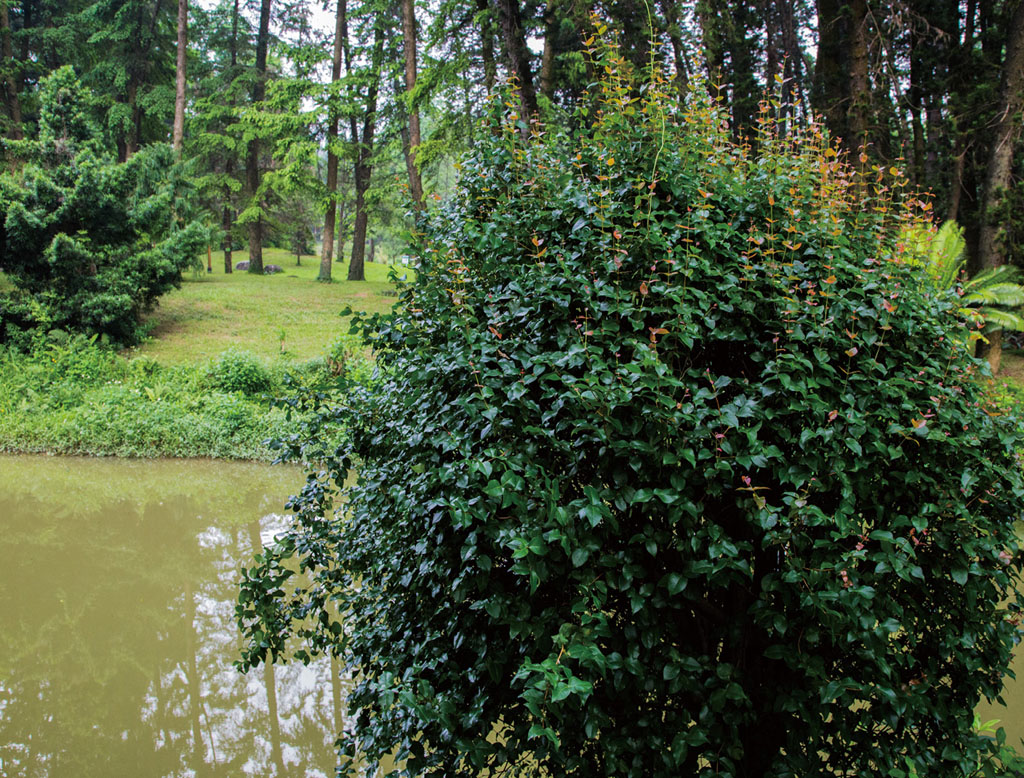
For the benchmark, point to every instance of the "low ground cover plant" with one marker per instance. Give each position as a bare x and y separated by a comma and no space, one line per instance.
69,395
674,468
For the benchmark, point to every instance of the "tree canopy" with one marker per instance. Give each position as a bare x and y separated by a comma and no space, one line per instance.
389,91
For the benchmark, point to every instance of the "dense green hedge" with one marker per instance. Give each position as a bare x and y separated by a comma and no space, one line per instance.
677,469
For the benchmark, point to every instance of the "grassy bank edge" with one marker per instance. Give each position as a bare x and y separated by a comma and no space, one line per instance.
73,397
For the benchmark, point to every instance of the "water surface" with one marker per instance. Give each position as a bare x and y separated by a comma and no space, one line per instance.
117,587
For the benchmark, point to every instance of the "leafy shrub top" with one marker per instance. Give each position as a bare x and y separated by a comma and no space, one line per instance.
88,243
675,469
240,371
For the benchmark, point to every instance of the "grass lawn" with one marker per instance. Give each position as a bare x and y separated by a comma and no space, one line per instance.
1011,369
72,397
214,311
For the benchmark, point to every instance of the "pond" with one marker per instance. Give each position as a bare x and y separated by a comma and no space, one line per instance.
116,603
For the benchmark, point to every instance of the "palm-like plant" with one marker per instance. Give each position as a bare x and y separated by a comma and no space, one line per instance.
994,296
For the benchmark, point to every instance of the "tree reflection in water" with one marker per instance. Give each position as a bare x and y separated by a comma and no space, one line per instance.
118,635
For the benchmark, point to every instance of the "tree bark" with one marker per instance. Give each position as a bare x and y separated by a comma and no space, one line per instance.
746,93
829,88
339,241
363,168
999,169
487,44
10,84
794,69
518,60
671,14
547,60
409,47
27,22
131,141
771,31
227,215
860,90
252,159
226,224
914,100
709,15
141,41
327,247
234,35
957,184
178,133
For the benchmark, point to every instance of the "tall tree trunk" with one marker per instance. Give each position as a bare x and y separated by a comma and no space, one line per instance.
131,138
363,168
339,241
671,13
860,89
518,60
234,35
710,16
547,60
409,48
483,10
999,169
226,224
227,215
27,22
772,35
178,134
746,93
957,184
830,89
252,159
914,99
10,83
327,247
794,70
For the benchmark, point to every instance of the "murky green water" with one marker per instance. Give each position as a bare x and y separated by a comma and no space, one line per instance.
117,636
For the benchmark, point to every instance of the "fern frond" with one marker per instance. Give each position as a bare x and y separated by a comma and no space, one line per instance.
1005,295
997,318
946,255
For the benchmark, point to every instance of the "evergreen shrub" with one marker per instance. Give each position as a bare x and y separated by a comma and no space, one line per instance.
89,244
673,469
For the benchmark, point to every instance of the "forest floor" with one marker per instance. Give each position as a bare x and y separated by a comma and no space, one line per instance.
202,383
1012,368
287,314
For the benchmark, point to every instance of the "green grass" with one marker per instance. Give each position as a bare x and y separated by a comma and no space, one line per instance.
70,396
1011,369
200,386
212,312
